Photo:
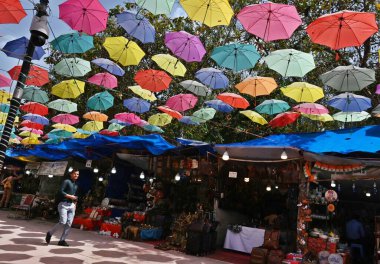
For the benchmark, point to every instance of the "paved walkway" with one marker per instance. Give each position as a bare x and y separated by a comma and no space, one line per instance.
23,242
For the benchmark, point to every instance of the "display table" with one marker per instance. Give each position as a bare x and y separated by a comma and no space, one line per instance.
245,240
114,228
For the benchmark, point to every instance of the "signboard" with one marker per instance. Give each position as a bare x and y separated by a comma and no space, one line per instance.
88,163
331,196
32,165
57,168
232,174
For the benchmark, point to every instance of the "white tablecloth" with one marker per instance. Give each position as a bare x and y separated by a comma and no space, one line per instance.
245,240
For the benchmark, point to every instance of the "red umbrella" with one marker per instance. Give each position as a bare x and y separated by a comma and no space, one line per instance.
107,132
37,76
5,81
170,112
343,29
284,119
153,80
35,108
128,118
28,123
67,119
234,100
11,12
182,102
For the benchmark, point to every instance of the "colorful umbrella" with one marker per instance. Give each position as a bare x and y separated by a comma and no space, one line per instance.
160,119
177,11
137,105
254,117
128,118
67,119
68,89
212,77
153,80
73,43
95,116
137,26
236,56
30,124
209,12
185,46
270,21
284,119
343,29
303,92
182,102
290,62
53,141
107,132
59,133
100,101
170,112
5,81
109,66
116,121
32,130
142,123
92,126
188,121
115,127
311,109
157,7
349,102
29,134
88,16
17,49
30,141
233,100
272,107
5,97
195,87
72,67
322,118
203,115
144,94
32,93
348,117
82,135
65,127
257,86
348,78
170,64
63,105
36,118
123,50
5,108
11,12
152,128
105,80
35,108
220,106
37,76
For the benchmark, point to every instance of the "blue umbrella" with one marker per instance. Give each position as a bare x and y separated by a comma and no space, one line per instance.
59,133
73,43
188,120
137,26
152,128
177,11
136,105
116,121
109,66
4,108
36,119
17,49
272,107
219,105
212,77
349,102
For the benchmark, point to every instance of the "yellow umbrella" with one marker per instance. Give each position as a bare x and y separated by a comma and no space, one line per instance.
66,127
3,118
160,119
257,86
170,64
303,92
210,12
95,116
30,141
255,117
14,141
143,93
93,126
29,134
322,118
80,135
123,50
68,89
5,97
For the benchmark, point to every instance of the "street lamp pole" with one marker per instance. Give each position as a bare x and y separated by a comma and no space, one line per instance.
39,34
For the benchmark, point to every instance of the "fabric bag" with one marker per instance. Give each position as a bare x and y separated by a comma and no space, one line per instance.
259,255
272,239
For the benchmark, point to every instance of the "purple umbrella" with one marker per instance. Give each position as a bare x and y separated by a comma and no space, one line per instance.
212,77
36,119
185,46
220,106
17,49
109,66
137,26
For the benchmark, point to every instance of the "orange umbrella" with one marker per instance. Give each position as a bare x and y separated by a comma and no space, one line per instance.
153,80
170,112
234,100
257,86
37,76
11,12
95,116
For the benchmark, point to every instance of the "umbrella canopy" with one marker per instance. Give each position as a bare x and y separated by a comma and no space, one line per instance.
290,62
254,117
185,46
105,80
5,81
160,119
59,133
123,50
152,128
234,100
210,12
116,121
212,77
67,119
5,97
95,116
88,16
73,43
32,93
68,89
142,123
157,7
272,107
17,49
349,102
144,94
128,118
188,121
30,124
82,135
177,11
236,56
36,118
35,108
270,21
115,127
322,118
30,141
311,109
284,119
203,115
170,112
100,101
343,29
195,87
109,133
182,102
63,105
36,76
12,12
153,80
220,106
109,66
65,127
53,141
348,117
257,86
5,108
137,105
137,26
348,78
92,126
32,130
31,134
303,92
72,67
170,64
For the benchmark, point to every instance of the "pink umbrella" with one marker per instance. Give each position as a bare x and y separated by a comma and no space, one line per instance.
67,119
185,46
142,123
32,130
182,102
311,109
88,16
5,81
234,100
377,89
128,118
270,21
106,80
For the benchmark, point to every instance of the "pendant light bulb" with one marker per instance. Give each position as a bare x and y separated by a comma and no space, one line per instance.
70,169
96,170
333,184
284,155
177,177
50,175
100,178
113,170
268,188
27,172
225,156
368,194
142,175
246,179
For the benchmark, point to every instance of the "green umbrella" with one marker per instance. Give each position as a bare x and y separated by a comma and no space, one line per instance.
100,101
72,67
157,7
153,128
35,94
53,141
73,43
272,107
203,115
115,127
59,133
348,117
63,105
195,87
290,62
